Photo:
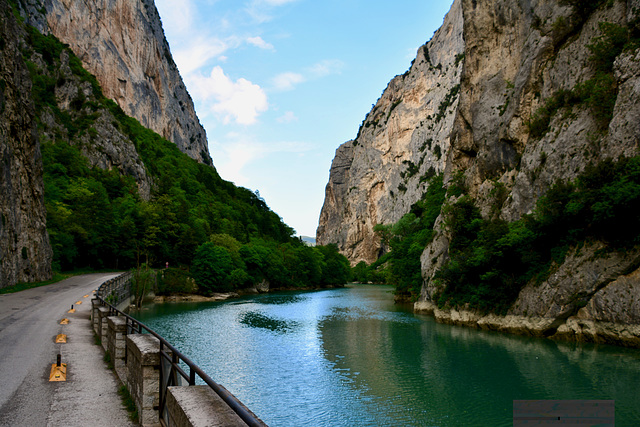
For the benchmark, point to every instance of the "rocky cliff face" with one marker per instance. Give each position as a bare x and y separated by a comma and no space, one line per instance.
47,97
404,140
25,253
122,43
518,56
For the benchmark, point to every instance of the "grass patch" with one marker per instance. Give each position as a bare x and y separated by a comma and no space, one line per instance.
128,402
108,359
96,339
57,277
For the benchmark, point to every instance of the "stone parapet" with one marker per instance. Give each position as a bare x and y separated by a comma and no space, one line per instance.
103,313
116,344
143,376
199,406
95,304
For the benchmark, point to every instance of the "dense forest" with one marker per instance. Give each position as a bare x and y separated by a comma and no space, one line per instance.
202,226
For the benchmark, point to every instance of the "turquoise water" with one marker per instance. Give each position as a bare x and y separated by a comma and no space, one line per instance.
346,357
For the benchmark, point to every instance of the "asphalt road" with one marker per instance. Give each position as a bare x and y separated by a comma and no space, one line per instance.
29,323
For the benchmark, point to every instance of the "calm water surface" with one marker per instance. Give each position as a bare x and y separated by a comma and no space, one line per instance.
346,357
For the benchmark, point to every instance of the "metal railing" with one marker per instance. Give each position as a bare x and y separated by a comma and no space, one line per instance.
115,290
171,371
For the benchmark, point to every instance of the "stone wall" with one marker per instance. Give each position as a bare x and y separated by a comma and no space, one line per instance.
138,363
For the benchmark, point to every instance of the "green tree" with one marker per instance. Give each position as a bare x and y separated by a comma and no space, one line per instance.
212,267
336,268
360,273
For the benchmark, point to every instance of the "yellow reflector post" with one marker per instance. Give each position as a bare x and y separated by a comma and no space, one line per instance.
61,338
64,321
58,373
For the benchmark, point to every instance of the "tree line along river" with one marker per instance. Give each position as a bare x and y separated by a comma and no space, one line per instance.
350,356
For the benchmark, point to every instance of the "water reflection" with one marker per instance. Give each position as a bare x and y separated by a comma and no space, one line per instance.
351,357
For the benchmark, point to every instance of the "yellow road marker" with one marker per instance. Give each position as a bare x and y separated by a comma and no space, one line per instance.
73,310
86,296
94,291
79,302
64,321
58,373
61,338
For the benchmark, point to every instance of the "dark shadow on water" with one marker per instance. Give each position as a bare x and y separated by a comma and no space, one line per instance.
282,299
259,320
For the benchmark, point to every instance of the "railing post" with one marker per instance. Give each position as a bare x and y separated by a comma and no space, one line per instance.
116,343
143,375
103,313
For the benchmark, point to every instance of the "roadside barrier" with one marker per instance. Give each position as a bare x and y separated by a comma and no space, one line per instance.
174,367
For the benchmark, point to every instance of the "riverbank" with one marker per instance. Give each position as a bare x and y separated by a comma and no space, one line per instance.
223,296
574,328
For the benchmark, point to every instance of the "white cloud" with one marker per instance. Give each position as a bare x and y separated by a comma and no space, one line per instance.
195,54
259,42
241,101
326,67
287,81
287,117
276,2
260,10
178,15
236,152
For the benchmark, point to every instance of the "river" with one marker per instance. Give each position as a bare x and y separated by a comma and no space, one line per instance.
346,357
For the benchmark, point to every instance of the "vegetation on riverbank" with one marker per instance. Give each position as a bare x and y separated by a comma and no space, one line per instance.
491,260
406,239
223,264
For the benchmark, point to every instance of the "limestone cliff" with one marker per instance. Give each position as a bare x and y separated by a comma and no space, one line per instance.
25,253
404,140
519,58
46,96
122,43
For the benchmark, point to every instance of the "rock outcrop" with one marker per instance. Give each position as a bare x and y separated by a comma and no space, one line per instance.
403,140
509,59
122,43
25,253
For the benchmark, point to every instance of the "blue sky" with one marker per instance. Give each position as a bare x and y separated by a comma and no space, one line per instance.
279,84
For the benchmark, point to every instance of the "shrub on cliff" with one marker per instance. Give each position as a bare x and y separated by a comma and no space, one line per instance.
407,238
491,260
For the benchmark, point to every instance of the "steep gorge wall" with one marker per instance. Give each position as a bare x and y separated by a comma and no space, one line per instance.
65,105
25,253
517,55
508,77
122,43
376,178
